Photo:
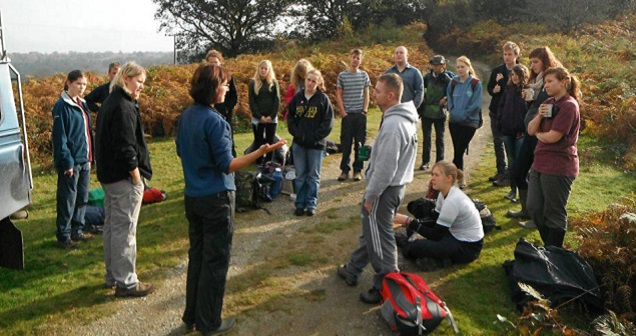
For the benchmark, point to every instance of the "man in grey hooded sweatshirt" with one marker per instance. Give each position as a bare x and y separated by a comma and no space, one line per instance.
390,169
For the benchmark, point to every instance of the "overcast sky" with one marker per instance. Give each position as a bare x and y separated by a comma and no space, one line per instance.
86,25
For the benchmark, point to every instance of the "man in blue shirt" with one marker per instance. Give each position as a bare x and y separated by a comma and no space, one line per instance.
411,77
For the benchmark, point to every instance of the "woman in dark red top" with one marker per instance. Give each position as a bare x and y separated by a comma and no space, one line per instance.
556,162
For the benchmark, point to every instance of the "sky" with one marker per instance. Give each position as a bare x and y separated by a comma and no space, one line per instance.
83,26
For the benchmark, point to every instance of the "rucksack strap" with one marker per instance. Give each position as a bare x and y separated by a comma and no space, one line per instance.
451,318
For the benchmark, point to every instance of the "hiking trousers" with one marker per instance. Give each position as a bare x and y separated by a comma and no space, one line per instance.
377,242
353,132
547,199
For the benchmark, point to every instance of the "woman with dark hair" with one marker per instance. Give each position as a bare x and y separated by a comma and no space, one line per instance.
556,127
226,107
541,59
453,235
72,155
204,144
122,161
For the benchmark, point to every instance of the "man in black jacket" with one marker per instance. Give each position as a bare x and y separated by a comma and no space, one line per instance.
496,87
100,93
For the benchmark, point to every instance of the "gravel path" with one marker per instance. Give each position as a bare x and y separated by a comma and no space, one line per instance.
335,309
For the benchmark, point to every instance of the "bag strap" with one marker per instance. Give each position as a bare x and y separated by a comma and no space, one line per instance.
451,318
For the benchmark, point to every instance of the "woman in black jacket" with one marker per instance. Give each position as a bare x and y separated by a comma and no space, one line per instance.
310,121
264,98
122,160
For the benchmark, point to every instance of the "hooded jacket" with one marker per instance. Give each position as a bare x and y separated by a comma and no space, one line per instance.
512,109
310,121
464,102
120,144
394,151
70,142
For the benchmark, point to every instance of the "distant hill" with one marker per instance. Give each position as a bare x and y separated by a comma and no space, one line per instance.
35,64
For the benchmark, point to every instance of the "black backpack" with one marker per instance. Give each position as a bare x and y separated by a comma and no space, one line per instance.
252,190
423,208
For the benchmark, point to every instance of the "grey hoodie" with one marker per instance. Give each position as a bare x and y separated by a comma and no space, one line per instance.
394,151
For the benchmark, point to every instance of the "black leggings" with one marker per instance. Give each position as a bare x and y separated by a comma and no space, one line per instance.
264,134
461,136
447,247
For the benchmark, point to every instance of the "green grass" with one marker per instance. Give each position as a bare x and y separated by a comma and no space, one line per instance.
65,287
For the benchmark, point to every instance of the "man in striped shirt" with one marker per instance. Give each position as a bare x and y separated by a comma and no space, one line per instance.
352,98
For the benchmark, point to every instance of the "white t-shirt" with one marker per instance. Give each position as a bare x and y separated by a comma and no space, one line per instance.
459,214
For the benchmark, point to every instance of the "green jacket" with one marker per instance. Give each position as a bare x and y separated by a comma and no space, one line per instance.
434,91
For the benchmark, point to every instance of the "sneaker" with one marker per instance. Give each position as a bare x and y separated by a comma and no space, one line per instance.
67,244
529,224
372,296
511,196
343,177
424,166
226,325
357,176
497,177
140,290
350,278
299,212
505,182
83,237
310,212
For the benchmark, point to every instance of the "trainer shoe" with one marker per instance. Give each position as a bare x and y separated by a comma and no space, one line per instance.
310,212
140,290
299,212
357,176
67,244
511,196
226,325
83,237
505,182
350,278
424,166
343,177
529,224
372,296
497,177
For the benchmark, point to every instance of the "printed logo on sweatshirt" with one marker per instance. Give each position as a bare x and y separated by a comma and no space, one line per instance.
309,112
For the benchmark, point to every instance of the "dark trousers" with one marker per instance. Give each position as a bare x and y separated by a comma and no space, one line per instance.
447,247
513,147
211,228
547,200
523,161
264,134
439,139
498,142
72,197
461,136
353,132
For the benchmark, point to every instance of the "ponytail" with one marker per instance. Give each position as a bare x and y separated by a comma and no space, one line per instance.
450,169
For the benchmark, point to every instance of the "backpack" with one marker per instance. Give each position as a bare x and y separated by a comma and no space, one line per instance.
487,218
410,307
252,189
473,84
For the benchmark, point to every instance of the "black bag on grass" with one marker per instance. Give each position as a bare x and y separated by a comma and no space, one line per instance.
252,190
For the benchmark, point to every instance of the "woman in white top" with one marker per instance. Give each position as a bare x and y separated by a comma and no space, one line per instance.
453,233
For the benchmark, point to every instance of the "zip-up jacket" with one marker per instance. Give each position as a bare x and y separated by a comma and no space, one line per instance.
71,140
413,84
434,91
492,82
266,102
97,96
310,121
120,144
464,102
512,109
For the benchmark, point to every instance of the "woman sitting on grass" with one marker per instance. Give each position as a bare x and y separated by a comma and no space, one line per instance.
454,234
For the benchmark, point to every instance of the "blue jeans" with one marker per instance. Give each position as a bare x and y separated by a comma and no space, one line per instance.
72,197
308,163
513,148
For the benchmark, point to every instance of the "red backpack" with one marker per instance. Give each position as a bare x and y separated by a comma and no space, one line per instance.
410,307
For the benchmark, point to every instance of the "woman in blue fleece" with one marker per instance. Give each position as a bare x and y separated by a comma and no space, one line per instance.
464,103
204,144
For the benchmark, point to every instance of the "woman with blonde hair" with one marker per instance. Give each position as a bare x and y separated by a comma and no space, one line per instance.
122,160
556,163
297,80
264,100
464,94
453,234
310,122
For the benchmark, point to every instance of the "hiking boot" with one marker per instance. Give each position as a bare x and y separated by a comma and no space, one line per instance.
350,278
226,325
67,244
141,289
299,212
529,224
83,237
310,212
505,182
357,176
343,177
424,166
497,177
372,296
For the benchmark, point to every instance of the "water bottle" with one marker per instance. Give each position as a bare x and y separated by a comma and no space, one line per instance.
274,189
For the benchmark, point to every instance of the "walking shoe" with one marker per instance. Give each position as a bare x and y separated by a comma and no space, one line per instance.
226,325
424,166
67,244
372,296
517,214
511,196
497,177
140,290
357,176
350,278
83,237
529,224
310,212
109,285
299,212
344,176
505,182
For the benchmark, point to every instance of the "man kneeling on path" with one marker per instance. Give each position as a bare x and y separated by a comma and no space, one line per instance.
390,169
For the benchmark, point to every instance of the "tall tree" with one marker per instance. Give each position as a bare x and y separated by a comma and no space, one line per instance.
231,26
